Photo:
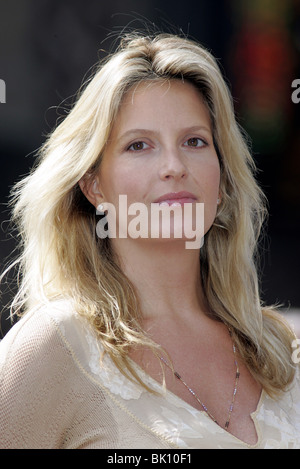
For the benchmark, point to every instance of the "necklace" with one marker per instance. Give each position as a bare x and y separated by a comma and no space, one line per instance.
237,375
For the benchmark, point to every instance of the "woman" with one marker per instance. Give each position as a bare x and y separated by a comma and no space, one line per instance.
134,340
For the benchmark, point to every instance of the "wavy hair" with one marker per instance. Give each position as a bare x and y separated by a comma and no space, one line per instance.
63,257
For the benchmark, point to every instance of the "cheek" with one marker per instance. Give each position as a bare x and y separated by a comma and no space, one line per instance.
116,180
211,193
214,180
211,178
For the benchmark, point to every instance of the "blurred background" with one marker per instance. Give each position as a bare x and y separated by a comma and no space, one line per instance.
48,47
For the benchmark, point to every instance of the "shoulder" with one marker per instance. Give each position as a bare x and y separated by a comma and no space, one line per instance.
50,341
53,334
33,340
52,325
42,382
289,404
32,334
295,391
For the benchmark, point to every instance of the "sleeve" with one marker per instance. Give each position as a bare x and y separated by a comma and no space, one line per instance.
36,373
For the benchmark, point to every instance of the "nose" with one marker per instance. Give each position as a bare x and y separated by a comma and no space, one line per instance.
172,166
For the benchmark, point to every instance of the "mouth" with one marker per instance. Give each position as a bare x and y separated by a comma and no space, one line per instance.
176,198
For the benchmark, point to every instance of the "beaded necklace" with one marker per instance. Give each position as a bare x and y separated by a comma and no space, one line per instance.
237,375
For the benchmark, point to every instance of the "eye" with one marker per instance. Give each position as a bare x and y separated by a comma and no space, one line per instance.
138,146
195,142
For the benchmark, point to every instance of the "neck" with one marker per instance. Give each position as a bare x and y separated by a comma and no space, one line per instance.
165,275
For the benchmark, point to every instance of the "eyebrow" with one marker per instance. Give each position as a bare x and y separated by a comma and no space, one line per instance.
133,132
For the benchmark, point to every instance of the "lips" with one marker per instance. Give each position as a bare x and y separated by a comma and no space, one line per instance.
176,198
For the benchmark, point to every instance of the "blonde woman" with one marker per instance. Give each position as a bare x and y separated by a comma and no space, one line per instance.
130,339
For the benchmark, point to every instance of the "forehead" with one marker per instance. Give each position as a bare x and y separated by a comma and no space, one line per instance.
160,89
167,101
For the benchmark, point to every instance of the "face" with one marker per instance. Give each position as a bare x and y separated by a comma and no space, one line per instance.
161,150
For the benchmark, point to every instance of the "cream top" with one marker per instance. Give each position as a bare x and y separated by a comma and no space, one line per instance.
55,393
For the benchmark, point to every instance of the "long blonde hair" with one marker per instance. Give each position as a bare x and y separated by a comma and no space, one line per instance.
63,257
